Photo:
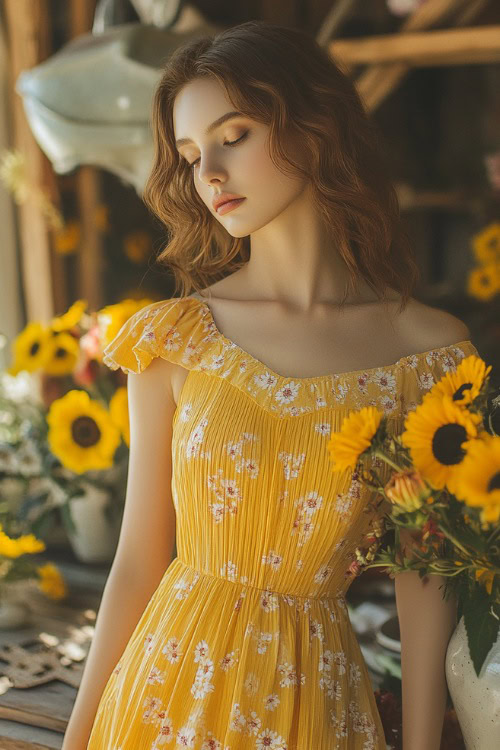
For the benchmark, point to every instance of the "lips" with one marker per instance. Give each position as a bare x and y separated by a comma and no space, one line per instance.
219,200
224,208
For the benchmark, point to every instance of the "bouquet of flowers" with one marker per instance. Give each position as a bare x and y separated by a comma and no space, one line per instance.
64,428
444,488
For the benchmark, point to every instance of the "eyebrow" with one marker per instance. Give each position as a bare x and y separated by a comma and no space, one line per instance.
211,128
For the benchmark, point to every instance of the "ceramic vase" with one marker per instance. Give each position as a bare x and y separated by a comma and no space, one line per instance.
476,699
96,537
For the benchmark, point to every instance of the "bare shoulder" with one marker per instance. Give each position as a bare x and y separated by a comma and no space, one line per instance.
432,328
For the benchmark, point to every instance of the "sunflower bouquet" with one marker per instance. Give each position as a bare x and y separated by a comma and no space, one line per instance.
71,436
443,488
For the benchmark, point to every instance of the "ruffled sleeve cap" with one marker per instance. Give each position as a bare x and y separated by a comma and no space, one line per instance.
171,329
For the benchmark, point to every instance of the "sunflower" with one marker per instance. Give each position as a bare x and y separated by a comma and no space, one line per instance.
29,348
81,432
355,437
70,318
486,244
60,354
464,384
484,281
434,433
118,409
112,317
478,481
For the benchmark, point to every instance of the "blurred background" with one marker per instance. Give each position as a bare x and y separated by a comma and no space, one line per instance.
78,258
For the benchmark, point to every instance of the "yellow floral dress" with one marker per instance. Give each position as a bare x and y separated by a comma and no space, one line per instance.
246,642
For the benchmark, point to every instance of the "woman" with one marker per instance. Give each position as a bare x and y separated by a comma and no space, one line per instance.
263,150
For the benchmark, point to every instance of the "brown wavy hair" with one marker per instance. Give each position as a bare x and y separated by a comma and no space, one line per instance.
280,76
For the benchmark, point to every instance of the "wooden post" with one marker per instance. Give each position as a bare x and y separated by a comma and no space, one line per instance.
90,278
29,43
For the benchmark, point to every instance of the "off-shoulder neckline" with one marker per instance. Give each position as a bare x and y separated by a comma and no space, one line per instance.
317,378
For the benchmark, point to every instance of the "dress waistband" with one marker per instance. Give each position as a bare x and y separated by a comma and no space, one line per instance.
338,599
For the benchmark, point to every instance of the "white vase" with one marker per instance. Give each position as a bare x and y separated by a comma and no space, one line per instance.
476,699
96,537
13,613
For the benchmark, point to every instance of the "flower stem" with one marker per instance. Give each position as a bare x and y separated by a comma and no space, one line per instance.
385,458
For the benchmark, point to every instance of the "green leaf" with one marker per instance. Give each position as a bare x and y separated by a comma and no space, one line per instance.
481,626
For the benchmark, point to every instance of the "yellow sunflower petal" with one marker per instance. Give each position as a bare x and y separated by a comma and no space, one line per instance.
478,480
71,317
355,436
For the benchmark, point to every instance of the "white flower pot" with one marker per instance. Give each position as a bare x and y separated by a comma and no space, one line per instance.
476,699
96,537
13,613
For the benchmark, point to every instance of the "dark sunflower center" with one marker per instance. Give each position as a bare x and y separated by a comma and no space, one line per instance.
458,395
35,346
494,483
85,431
446,444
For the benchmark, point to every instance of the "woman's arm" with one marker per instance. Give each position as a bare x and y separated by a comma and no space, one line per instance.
426,624
145,546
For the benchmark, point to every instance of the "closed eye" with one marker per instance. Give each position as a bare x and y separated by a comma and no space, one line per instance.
227,143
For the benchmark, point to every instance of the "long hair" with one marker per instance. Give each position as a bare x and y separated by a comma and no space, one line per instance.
280,76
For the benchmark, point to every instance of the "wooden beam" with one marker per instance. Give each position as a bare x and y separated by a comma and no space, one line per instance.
28,37
376,83
472,46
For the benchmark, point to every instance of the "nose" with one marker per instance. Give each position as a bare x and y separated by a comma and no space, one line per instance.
210,171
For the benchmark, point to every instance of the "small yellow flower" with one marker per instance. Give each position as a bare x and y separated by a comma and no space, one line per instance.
51,582
26,544
137,246
118,409
355,436
407,490
67,239
486,244
484,281
485,577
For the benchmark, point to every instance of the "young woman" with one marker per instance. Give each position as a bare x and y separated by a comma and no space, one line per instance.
263,151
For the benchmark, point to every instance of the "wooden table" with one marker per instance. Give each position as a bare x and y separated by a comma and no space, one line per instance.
35,718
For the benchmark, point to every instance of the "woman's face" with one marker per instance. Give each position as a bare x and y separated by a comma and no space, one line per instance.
230,158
